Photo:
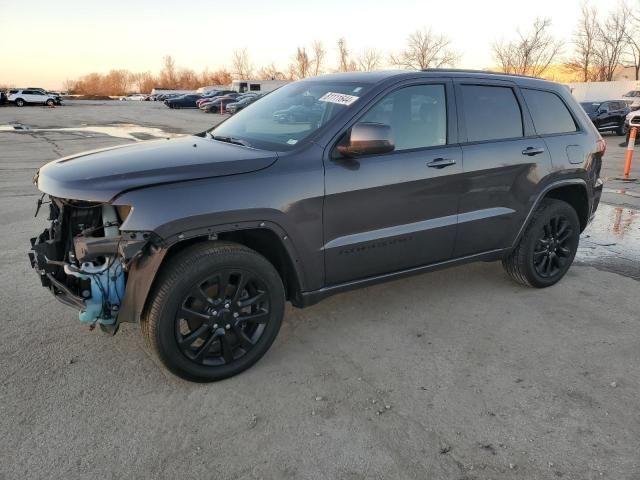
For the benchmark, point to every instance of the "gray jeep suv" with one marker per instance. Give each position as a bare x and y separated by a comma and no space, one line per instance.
372,176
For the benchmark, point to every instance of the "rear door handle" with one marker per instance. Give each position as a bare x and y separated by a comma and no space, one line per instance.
531,151
441,162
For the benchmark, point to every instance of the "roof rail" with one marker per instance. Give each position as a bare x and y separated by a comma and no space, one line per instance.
487,72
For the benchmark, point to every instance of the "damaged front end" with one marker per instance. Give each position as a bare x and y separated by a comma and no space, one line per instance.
85,261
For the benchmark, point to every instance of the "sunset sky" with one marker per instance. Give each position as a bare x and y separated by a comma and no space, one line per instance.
42,43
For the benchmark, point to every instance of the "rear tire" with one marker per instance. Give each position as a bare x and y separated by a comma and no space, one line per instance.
204,331
548,246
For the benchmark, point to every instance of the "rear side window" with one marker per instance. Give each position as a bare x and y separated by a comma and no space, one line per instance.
549,113
491,113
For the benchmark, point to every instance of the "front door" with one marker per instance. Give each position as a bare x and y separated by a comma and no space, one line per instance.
390,212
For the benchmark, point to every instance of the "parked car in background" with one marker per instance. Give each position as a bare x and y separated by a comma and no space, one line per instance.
137,97
183,101
310,110
239,104
166,96
202,239
57,96
22,97
632,99
608,116
205,101
633,120
218,105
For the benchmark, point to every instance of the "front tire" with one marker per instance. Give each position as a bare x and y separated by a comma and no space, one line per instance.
20,102
49,103
547,248
215,311
622,130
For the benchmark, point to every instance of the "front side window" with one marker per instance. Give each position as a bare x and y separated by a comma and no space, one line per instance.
550,115
285,117
417,116
491,113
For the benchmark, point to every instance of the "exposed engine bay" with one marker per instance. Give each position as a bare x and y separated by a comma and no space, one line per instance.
83,259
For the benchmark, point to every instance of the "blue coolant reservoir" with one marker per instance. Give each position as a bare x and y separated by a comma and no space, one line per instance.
107,290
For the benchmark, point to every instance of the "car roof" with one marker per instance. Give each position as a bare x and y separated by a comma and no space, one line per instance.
384,75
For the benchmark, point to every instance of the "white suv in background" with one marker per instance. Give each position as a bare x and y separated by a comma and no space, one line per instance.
22,97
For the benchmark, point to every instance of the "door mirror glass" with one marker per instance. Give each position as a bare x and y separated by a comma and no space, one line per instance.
367,138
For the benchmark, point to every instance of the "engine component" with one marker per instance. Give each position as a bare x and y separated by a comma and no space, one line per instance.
103,300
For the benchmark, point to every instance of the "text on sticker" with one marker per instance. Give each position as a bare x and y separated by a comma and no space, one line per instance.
339,98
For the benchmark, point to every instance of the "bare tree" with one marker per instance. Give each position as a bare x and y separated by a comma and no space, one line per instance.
188,79
425,49
68,85
613,42
301,65
529,54
270,72
370,59
633,39
242,68
318,56
344,63
145,81
168,73
585,41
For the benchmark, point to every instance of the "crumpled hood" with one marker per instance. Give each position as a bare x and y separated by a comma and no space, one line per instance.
101,175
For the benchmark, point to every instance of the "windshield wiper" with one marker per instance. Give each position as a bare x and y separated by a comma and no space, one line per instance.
234,140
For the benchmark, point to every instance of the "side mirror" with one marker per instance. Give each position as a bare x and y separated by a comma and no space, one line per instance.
367,138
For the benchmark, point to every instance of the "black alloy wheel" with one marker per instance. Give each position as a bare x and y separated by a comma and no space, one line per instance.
222,318
554,248
215,310
547,247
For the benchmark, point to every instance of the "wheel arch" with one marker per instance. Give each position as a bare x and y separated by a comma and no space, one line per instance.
575,195
263,240
266,241
573,191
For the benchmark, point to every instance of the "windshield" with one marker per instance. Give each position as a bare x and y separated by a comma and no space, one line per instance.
288,115
632,93
590,107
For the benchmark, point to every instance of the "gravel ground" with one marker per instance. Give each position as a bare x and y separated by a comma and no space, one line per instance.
458,374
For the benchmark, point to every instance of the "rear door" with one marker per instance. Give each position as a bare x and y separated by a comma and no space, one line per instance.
503,160
555,123
394,211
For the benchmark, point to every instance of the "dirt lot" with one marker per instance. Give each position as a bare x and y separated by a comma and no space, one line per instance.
458,374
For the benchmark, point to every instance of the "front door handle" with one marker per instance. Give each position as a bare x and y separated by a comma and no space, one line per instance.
531,151
441,163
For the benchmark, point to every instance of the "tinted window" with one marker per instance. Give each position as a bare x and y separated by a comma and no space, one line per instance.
254,87
590,107
491,113
417,116
549,113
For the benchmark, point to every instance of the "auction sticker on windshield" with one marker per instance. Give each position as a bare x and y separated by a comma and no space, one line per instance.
339,98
